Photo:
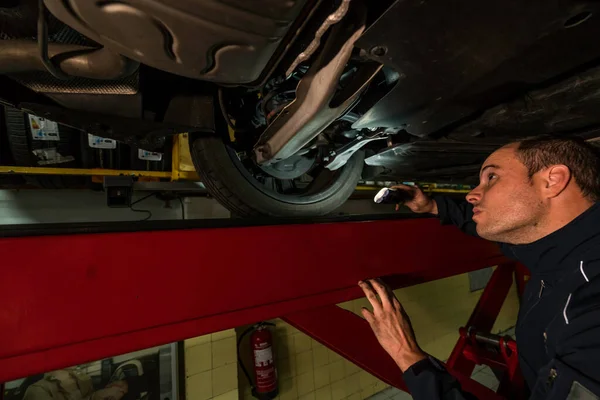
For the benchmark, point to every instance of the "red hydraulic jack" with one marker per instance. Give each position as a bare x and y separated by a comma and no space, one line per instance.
497,352
89,292
482,348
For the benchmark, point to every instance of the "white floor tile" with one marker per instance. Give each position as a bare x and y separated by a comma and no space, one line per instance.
486,380
477,369
487,370
402,396
390,392
379,396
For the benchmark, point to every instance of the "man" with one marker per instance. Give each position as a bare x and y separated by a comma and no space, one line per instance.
538,198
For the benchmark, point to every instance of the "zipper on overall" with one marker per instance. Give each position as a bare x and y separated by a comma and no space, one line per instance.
542,287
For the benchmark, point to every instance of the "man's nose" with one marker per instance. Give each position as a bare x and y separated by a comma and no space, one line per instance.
474,196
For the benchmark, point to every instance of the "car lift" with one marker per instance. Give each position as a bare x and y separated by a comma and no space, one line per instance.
98,290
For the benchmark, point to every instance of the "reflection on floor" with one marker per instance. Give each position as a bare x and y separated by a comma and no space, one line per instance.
482,374
391,394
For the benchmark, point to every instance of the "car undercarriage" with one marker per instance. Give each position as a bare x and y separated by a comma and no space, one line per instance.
290,103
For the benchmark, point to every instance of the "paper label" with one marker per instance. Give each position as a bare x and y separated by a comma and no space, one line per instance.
149,155
43,129
98,142
263,358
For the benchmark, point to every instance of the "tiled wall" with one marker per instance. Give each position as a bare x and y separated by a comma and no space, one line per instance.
211,367
310,371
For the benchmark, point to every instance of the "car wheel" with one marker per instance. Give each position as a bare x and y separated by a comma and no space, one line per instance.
248,190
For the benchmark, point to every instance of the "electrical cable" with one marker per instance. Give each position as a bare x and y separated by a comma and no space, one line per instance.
142,211
148,212
182,207
144,198
240,362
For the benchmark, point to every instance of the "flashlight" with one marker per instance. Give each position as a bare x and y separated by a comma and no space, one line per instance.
392,196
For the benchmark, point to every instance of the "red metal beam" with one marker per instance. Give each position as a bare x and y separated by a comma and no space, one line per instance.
73,299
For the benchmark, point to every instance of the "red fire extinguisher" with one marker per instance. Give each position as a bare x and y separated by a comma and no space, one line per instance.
263,362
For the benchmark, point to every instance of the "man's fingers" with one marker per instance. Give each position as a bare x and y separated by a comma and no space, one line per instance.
370,293
397,304
410,194
382,283
368,315
385,293
403,187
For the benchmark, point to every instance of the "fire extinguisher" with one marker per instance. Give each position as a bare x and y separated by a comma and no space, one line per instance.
264,386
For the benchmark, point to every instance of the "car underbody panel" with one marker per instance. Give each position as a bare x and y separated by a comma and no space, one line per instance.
230,42
441,161
456,59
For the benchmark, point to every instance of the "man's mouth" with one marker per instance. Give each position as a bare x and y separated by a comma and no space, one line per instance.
476,211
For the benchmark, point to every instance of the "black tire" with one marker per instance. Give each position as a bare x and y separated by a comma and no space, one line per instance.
8,180
230,184
22,147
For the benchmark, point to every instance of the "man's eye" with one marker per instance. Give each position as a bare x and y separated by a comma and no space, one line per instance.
492,176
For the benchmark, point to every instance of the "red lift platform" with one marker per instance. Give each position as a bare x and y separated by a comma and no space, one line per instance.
87,294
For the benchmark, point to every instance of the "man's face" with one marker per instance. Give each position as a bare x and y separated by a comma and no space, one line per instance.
506,202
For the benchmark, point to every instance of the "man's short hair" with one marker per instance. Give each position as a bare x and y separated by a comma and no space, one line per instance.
581,157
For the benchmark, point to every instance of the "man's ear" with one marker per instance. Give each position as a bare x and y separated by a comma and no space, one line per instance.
557,178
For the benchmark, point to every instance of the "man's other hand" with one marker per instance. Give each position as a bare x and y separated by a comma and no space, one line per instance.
420,202
390,324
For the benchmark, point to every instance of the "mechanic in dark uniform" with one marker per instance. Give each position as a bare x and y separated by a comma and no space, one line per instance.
538,199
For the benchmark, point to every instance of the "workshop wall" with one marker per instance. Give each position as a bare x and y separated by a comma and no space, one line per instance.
310,371
211,367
